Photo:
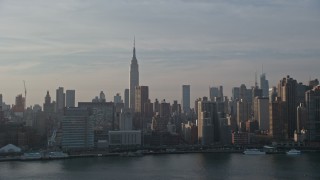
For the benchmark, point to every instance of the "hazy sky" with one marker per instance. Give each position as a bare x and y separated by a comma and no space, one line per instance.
87,45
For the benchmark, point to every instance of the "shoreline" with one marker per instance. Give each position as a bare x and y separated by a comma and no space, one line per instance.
91,155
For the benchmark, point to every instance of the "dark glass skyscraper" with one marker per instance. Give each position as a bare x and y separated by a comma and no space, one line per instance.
186,98
264,85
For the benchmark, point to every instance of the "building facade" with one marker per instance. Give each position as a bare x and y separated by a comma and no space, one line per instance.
70,98
77,129
60,99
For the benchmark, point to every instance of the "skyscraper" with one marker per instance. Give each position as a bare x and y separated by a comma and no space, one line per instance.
288,93
313,111
70,98
60,99
117,98
134,77
48,106
208,122
126,98
102,97
242,113
186,98
235,93
278,120
142,96
264,85
78,129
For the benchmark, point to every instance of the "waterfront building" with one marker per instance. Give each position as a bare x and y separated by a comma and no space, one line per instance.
60,99
240,138
185,98
70,98
313,111
287,88
208,122
78,129
134,77
278,119
124,138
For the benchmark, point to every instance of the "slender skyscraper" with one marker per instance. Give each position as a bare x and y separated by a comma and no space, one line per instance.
60,99
186,98
287,88
134,77
264,85
126,98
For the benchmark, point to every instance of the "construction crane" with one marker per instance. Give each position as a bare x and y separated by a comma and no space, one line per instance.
25,94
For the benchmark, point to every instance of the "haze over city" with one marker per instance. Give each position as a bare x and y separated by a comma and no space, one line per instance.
87,45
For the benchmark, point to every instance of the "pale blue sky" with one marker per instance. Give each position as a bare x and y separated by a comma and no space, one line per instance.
87,45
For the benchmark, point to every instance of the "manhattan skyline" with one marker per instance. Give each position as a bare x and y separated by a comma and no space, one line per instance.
87,46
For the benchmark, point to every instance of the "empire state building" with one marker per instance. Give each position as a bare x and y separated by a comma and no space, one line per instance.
134,77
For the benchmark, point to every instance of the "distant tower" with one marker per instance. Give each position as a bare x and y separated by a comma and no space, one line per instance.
186,98
48,106
60,99
102,97
70,98
126,98
134,77
264,85
117,98
142,96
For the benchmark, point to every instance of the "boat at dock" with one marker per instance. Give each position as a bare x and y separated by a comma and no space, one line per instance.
293,152
57,155
31,156
253,152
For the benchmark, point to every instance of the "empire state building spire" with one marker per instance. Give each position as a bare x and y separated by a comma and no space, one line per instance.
134,49
134,76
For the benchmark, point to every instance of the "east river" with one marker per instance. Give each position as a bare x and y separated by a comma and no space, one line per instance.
169,166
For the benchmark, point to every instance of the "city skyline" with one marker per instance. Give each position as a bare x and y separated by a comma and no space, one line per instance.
87,46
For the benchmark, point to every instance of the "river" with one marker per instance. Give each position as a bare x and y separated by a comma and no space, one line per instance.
169,166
